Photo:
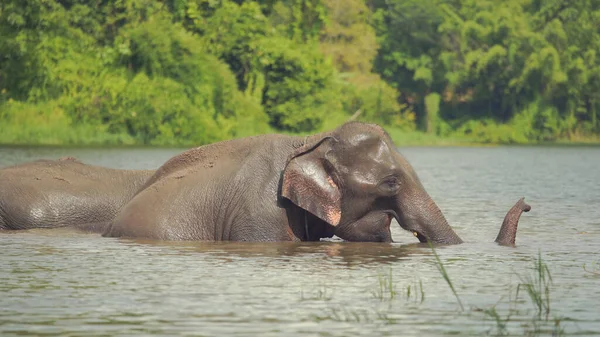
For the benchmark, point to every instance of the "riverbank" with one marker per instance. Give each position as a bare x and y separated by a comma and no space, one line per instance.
54,133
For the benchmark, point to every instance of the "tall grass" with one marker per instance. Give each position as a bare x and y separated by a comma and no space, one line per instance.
420,294
533,289
445,275
386,290
537,287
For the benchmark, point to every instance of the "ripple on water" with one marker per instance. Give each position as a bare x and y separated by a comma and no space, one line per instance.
57,282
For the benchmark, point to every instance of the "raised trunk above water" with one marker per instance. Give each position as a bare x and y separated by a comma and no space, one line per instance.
508,231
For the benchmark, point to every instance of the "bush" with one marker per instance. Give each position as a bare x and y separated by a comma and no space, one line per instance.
300,89
47,123
376,101
174,92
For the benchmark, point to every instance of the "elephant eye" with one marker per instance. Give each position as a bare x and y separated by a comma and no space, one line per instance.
390,185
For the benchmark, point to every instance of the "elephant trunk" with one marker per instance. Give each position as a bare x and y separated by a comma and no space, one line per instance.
440,232
420,215
427,222
508,231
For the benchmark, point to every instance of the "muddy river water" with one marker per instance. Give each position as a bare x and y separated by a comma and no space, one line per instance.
64,283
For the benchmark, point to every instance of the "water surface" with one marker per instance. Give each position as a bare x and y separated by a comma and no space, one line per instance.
59,282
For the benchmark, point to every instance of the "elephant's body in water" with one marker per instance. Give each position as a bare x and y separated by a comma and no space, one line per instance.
349,182
64,193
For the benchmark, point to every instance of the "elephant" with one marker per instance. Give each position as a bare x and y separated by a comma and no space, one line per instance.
350,253
64,193
350,182
508,230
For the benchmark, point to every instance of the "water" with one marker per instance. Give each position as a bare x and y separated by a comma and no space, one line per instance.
57,282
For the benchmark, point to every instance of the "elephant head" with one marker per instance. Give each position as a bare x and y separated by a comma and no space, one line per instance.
354,179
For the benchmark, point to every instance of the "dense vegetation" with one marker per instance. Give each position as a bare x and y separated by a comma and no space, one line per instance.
189,72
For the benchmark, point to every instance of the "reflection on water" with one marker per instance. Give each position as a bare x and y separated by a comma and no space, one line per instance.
60,282
348,252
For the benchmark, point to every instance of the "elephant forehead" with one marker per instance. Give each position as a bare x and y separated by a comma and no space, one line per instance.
372,157
377,146
383,154
362,139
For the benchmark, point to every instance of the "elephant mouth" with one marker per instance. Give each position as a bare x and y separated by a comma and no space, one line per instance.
416,233
420,236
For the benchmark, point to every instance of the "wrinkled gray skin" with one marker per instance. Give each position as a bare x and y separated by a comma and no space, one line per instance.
64,193
349,182
508,231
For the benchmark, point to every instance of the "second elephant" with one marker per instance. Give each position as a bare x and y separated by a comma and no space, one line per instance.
64,193
350,182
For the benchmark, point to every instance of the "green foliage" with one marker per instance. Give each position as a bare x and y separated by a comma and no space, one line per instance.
432,107
495,63
193,96
299,20
154,82
371,99
189,72
299,87
348,38
46,123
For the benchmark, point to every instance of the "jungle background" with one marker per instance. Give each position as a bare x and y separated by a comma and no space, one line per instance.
191,72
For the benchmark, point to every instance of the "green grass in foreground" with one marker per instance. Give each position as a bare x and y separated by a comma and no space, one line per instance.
537,288
387,290
533,291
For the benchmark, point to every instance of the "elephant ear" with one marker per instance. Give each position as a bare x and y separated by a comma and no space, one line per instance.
307,183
